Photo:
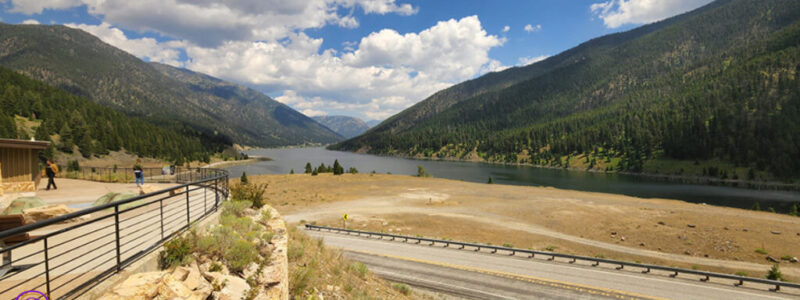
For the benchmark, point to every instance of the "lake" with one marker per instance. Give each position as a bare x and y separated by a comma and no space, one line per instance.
285,159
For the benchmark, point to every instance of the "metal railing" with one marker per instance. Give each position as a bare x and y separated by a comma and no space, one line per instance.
69,254
151,175
646,268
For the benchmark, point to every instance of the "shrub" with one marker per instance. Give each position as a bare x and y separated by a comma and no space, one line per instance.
775,273
508,245
73,165
421,172
361,269
253,193
402,288
176,252
235,207
740,273
240,255
353,170
244,179
761,251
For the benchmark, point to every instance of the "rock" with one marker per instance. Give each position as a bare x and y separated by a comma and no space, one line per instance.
622,238
138,286
659,248
194,280
687,252
744,229
772,259
775,232
147,189
691,225
47,212
661,223
793,260
641,244
725,228
233,288
613,233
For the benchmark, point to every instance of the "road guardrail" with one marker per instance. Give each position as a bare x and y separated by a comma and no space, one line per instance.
647,268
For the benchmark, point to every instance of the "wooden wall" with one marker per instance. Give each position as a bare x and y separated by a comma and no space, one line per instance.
18,164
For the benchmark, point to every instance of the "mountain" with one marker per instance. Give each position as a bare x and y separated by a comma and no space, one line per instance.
343,125
30,108
373,123
714,88
82,64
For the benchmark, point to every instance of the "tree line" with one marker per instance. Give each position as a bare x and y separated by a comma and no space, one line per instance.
74,123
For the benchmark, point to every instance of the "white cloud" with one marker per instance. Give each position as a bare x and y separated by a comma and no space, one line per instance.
506,28
146,48
531,28
616,13
30,7
30,22
524,61
210,23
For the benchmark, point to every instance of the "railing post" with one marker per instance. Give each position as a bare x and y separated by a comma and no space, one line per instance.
161,208
116,226
47,267
216,193
188,217
205,204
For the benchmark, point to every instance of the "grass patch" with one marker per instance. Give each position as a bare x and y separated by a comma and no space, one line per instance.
314,269
402,288
761,251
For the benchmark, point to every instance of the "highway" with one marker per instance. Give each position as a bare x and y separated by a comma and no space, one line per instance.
482,275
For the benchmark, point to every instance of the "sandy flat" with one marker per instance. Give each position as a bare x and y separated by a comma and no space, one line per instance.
662,231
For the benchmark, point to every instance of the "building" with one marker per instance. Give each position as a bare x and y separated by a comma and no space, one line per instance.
19,167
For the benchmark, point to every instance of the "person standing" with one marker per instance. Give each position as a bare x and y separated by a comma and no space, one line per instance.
51,170
138,171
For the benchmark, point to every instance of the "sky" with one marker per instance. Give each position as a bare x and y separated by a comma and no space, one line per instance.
363,58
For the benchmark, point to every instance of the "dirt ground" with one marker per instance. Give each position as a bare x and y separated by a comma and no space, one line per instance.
660,231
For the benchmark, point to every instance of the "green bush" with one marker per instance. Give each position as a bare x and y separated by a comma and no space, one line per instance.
402,288
235,207
241,254
176,252
775,273
761,251
361,269
253,193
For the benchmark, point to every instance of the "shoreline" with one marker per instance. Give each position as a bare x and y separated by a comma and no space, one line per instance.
698,180
224,164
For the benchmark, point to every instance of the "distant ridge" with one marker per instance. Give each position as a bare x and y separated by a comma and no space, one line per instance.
343,125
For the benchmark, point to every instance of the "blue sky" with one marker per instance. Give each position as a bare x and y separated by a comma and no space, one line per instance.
363,58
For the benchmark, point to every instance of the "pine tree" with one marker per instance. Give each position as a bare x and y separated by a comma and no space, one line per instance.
775,273
491,181
337,168
244,179
291,172
793,210
757,206
308,168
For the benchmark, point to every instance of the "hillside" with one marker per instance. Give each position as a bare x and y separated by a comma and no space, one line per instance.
715,87
82,64
345,126
76,124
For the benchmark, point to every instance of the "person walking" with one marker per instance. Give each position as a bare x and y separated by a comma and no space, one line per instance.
139,172
51,170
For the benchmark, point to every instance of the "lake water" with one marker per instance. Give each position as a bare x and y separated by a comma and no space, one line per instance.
284,160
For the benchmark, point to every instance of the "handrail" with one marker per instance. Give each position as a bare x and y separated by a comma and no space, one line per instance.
124,236
595,260
62,218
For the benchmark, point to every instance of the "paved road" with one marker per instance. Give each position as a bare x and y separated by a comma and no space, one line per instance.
482,275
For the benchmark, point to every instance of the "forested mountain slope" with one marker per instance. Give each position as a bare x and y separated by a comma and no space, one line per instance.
73,122
716,84
82,64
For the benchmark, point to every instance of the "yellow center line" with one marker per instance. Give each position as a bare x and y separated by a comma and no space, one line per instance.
535,280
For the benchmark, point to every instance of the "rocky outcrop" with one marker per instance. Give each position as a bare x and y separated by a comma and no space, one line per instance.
208,279
41,213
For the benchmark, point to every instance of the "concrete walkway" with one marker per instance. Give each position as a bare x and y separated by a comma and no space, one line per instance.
73,191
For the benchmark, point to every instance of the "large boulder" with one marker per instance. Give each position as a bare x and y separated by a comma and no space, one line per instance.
144,286
233,288
19,204
47,212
